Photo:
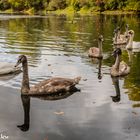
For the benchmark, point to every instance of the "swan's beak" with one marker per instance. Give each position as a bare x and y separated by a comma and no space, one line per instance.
17,63
113,54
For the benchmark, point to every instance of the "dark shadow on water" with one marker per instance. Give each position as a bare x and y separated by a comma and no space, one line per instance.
26,105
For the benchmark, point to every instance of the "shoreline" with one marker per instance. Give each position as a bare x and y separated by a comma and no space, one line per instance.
72,12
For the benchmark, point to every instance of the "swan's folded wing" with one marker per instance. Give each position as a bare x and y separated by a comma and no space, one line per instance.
53,85
124,68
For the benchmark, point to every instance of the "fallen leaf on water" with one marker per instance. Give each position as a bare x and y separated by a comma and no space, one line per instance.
59,113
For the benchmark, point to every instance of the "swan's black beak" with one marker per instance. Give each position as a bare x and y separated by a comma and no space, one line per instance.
18,62
116,52
113,53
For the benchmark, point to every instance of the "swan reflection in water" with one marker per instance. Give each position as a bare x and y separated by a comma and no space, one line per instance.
130,57
26,105
99,69
117,97
9,76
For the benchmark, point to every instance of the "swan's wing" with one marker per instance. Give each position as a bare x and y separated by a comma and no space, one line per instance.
53,85
124,68
122,37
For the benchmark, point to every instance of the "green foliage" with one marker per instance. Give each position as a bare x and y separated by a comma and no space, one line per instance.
77,5
17,4
57,4
4,4
133,5
115,4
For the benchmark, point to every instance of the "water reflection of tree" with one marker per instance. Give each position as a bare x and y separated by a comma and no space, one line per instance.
81,32
21,37
132,82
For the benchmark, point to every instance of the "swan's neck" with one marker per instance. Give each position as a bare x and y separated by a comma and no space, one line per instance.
126,31
115,37
100,48
25,81
117,62
130,43
130,56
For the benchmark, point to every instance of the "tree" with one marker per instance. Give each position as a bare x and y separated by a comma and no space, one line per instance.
101,4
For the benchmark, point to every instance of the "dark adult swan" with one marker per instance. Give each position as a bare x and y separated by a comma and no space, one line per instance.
49,86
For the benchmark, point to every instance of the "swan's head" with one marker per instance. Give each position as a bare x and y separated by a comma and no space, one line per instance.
131,32
116,52
21,59
101,39
118,28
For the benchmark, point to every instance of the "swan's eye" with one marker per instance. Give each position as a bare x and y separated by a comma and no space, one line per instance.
130,33
19,60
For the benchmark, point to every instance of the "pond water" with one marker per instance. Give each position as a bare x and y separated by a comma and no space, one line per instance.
57,46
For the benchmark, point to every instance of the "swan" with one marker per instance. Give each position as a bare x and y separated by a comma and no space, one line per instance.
130,42
119,68
125,35
120,39
49,86
7,68
95,52
133,45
